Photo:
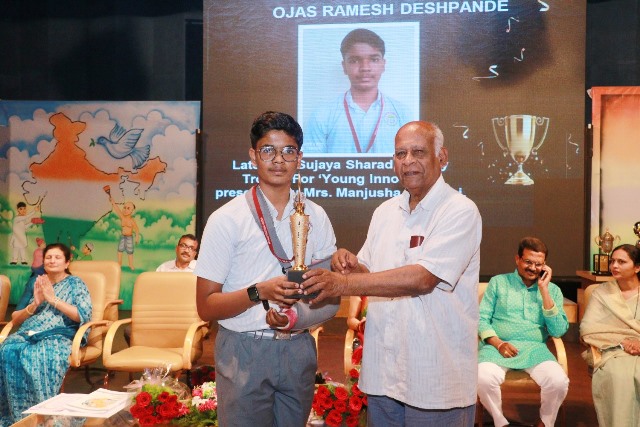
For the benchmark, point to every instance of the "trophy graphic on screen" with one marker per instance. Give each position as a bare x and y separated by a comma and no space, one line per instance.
601,260
523,135
299,232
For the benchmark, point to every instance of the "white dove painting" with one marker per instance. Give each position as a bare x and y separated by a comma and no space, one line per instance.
122,143
83,161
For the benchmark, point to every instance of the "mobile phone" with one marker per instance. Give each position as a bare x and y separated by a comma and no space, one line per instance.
542,274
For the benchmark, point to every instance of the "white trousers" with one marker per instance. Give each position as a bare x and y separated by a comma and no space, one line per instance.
549,375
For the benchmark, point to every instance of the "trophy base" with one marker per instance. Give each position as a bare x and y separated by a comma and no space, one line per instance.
296,276
601,265
519,178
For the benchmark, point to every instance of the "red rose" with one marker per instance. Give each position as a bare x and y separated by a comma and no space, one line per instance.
165,410
323,391
340,405
212,376
147,420
334,419
355,404
352,421
341,393
318,409
143,399
135,411
327,403
355,390
162,397
354,373
364,400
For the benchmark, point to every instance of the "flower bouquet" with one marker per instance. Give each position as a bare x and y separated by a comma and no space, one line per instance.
161,399
336,403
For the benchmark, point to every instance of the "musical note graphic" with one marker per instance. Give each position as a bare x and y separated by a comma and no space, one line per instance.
481,145
509,23
573,143
465,133
544,7
492,69
521,56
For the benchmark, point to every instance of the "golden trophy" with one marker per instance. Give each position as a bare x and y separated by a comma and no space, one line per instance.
521,139
636,231
601,260
300,227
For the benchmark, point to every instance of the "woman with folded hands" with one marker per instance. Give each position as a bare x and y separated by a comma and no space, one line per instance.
35,359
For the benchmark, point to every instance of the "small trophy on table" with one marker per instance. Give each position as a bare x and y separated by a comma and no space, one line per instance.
300,227
601,260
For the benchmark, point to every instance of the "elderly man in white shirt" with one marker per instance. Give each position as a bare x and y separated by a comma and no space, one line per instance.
186,251
419,266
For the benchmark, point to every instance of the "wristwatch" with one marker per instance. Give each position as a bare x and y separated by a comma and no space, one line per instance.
253,293
254,296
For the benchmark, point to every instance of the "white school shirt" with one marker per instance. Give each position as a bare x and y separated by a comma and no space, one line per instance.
234,251
423,350
329,131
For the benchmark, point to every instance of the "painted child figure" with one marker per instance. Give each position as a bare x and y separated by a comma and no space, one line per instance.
18,241
129,228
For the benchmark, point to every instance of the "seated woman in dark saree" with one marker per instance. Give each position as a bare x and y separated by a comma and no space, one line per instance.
34,359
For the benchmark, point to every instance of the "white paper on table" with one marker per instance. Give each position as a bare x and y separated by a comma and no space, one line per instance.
101,403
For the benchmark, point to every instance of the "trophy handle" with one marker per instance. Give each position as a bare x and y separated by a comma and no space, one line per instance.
500,121
541,121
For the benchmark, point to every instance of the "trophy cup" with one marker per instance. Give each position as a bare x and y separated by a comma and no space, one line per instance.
299,232
636,230
601,260
520,141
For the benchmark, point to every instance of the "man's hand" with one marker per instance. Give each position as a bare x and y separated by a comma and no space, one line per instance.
344,261
507,350
631,346
325,282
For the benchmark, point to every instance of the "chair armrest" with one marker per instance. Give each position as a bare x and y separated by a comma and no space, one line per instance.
188,342
561,354
348,350
75,356
6,331
111,333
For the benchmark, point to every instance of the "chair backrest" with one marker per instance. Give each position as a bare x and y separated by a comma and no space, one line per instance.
97,285
5,293
112,272
163,308
587,293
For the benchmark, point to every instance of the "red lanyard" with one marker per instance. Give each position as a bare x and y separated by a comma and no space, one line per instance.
263,224
353,130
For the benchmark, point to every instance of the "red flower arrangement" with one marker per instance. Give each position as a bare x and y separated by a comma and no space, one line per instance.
337,403
157,404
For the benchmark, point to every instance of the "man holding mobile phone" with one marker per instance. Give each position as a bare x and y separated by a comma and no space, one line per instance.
518,313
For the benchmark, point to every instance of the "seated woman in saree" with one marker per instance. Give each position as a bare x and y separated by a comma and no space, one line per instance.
34,359
611,325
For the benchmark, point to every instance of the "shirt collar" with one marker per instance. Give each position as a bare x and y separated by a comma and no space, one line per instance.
427,202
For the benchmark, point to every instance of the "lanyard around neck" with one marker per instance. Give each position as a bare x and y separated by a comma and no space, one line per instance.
263,225
353,130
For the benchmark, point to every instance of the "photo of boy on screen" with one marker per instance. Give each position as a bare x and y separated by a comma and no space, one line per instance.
363,119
